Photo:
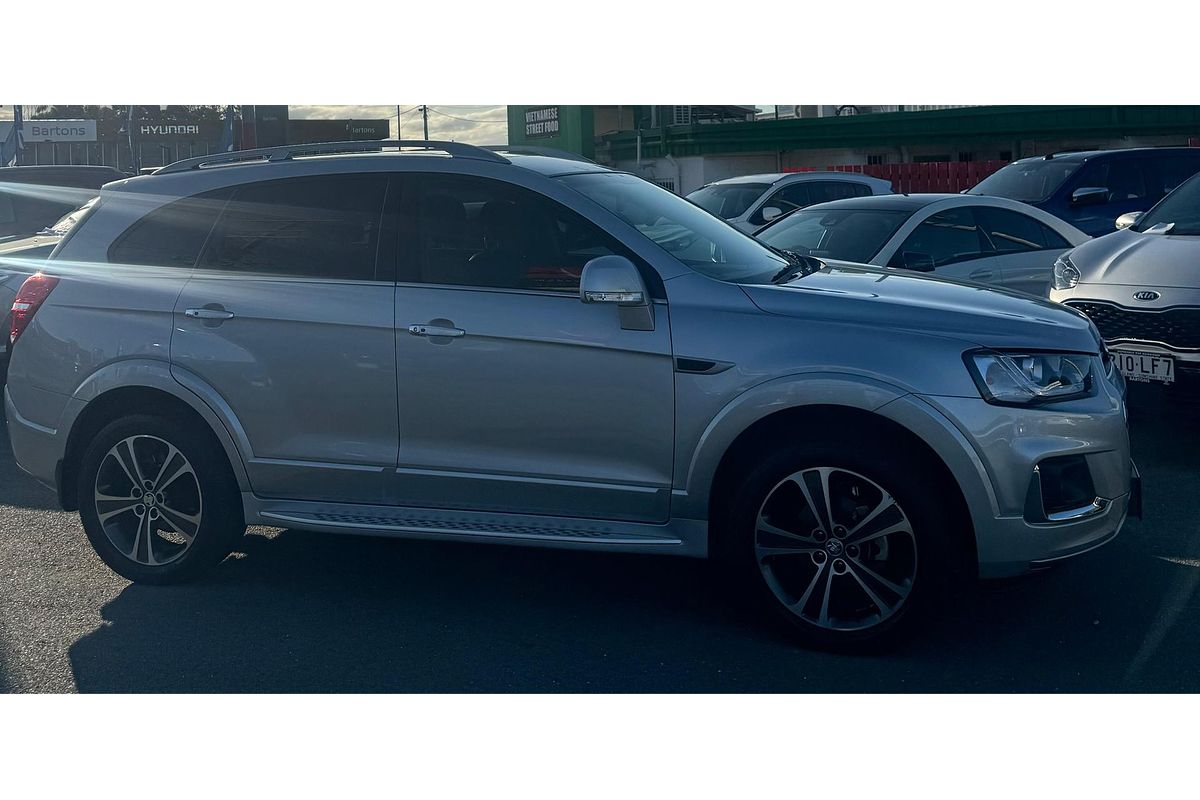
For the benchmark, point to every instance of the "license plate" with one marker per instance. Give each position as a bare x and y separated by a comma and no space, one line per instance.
1145,367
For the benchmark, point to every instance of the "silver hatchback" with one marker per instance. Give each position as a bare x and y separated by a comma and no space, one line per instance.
439,341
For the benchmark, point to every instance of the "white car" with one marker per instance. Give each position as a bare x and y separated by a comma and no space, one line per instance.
751,201
987,240
1141,286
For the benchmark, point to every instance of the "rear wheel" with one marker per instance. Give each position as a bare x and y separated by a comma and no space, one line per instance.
845,543
158,500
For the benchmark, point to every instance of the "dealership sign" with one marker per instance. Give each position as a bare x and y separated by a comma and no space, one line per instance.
156,131
53,130
541,122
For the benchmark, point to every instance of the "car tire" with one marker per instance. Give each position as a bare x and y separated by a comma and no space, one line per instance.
774,549
158,499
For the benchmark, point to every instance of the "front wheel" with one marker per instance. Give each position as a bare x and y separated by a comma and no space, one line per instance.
158,500
846,544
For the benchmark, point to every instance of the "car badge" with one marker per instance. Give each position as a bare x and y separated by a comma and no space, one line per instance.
1146,295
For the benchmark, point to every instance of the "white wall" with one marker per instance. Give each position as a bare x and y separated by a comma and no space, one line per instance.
689,173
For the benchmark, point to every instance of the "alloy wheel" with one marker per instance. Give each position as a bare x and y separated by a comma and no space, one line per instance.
836,549
148,500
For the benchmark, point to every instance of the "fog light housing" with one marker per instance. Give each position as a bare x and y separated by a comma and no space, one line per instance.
1062,490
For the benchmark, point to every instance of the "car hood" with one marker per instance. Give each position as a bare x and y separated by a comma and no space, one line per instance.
1128,258
893,300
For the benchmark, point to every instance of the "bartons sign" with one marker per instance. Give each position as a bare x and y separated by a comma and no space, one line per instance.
541,122
53,130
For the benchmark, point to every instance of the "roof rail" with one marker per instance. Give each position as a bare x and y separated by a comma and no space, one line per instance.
290,151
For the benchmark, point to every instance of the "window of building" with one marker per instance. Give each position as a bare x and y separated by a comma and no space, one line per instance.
489,234
1013,232
170,236
944,238
319,227
876,160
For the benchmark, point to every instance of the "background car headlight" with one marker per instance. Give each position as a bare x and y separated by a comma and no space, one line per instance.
1032,378
1066,275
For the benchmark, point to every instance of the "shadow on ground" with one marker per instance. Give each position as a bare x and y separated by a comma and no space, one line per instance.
311,612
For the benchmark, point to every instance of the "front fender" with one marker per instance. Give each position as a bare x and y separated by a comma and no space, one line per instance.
833,389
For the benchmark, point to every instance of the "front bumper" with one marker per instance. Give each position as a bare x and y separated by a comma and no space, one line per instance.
1023,530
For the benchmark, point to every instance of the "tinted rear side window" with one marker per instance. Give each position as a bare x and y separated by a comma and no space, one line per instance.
319,227
172,235
1013,232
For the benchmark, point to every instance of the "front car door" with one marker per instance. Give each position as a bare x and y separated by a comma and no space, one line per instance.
514,396
291,323
1129,188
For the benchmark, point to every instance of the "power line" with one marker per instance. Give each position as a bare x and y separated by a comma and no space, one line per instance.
464,119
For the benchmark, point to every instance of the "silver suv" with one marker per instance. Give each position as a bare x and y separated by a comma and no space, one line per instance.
444,342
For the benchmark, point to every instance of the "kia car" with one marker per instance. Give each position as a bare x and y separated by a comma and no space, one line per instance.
1141,287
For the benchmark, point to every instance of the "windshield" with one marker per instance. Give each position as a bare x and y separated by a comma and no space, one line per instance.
843,234
1180,209
1027,181
69,221
693,236
728,200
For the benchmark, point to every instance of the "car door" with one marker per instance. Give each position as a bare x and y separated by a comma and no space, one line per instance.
950,244
514,396
1025,248
1128,188
290,322
789,198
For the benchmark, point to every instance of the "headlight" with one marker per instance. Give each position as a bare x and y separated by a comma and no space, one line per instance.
1066,275
1032,378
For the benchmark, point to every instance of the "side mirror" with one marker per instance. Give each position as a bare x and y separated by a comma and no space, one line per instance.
615,280
918,262
612,279
1126,220
771,212
1089,196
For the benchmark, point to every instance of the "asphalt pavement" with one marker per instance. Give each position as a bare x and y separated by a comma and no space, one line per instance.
306,612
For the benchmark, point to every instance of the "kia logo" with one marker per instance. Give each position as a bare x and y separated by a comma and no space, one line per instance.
1146,296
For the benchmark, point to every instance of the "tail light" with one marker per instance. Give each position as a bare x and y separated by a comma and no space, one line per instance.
29,299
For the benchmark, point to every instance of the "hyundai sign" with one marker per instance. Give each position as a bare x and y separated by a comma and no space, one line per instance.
53,130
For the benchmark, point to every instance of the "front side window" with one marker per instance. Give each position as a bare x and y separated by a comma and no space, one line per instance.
171,235
789,198
694,237
729,200
842,234
319,227
1124,178
489,234
946,237
1014,232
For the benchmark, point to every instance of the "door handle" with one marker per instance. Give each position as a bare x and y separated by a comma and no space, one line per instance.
208,313
435,330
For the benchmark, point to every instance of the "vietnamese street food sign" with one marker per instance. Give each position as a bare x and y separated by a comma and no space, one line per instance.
541,122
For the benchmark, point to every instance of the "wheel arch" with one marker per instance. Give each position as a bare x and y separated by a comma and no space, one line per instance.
817,421
104,399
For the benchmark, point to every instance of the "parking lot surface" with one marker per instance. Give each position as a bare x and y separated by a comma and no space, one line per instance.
303,612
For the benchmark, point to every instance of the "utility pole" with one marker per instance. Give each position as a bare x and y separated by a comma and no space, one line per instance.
399,124
425,120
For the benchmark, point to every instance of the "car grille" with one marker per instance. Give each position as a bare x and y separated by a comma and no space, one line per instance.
1178,328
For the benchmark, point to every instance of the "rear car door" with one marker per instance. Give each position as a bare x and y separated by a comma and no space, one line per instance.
949,244
1025,248
290,323
515,396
